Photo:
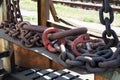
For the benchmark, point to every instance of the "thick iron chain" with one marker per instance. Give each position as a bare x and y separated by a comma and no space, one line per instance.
17,14
10,10
13,11
106,8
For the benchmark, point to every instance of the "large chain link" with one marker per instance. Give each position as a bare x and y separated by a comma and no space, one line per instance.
106,8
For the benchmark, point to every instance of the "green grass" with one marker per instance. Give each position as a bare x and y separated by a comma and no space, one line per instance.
83,15
75,13
28,5
30,19
79,14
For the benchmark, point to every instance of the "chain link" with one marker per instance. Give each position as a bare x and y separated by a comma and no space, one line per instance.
13,11
10,11
17,14
106,8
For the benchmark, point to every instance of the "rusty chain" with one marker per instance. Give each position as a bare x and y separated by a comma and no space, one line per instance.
17,14
10,10
106,8
13,11
96,56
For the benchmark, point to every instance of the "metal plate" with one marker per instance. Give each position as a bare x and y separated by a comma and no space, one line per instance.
49,74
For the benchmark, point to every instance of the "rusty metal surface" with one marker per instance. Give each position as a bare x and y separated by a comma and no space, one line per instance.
41,50
72,32
36,28
43,12
93,59
51,74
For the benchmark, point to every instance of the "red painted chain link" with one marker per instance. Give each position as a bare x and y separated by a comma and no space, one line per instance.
47,43
84,38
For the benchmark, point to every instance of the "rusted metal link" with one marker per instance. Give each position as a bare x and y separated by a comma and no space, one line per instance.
37,39
34,28
11,29
4,24
18,29
38,29
52,34
84,38
17,13
20,25
48,43
25,39
28,38
66,33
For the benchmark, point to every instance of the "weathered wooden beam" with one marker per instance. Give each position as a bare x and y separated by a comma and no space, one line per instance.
43,12
53,11
30,59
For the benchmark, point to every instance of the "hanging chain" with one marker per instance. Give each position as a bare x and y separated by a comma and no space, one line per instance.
17,14
13,11
106,8
10,10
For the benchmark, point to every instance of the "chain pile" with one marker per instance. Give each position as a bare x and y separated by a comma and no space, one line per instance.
14,23
98,60
75,46
102,58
